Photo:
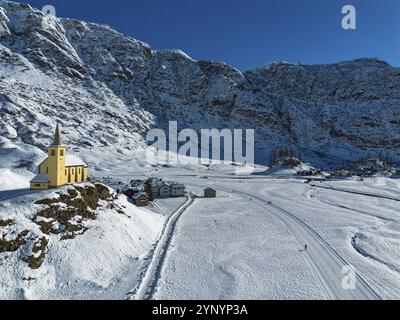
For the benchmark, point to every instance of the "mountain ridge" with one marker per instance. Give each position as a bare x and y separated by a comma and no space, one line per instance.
119,88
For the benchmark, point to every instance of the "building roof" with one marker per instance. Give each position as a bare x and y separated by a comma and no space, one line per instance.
57,137
140,195
40,178
73,161
164,184
178,186
209,189
70,161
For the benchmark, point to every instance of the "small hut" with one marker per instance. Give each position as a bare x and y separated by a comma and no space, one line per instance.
141,199
210,193
178,190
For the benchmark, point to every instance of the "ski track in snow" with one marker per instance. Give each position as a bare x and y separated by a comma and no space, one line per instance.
326,263
393,268
327,202
358,192
148,285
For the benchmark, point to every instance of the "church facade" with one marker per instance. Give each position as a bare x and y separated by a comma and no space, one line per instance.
59,169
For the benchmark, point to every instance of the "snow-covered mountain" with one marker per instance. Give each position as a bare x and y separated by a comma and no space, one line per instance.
108,90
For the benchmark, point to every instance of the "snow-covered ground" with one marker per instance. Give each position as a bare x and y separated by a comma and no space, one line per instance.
102,263
237,246
380,186
229,248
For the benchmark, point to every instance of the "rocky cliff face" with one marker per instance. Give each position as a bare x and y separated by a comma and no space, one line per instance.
108,90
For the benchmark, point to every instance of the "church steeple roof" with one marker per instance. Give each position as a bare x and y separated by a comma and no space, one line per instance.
57,137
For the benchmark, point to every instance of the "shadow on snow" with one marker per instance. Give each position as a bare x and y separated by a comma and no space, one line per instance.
17,193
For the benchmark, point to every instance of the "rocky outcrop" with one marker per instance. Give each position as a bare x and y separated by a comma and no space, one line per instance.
111,89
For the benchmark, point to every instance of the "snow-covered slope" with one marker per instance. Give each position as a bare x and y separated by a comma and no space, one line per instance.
78,242
108,89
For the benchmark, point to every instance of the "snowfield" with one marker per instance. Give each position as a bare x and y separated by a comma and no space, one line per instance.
248,243
240,247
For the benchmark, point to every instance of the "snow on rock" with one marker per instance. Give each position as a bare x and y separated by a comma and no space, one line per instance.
112,95
4,31
78,242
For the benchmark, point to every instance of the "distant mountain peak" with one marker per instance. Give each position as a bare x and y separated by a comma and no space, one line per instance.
111,89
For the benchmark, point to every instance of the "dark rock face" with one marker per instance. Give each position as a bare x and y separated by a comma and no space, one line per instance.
107,87
71,210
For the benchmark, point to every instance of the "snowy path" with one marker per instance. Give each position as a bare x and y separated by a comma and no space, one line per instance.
148,285
326,262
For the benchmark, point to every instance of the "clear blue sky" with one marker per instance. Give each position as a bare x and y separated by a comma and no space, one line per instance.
250,33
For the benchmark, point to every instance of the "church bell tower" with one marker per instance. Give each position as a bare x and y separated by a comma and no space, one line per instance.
56,161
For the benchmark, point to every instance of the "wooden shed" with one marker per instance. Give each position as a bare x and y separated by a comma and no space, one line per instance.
210,193
141,200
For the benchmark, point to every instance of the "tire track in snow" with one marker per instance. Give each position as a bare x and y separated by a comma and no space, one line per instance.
326,260
148,285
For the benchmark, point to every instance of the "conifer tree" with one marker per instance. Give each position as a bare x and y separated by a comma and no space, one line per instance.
149,190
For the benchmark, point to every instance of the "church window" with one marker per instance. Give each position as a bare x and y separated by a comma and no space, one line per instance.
61,153
53,152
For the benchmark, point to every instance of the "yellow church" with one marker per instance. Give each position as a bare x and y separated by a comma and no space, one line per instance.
59,169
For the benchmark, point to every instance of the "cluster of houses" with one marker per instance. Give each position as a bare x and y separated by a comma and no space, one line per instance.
343,173
310,173
159,189
366,168
144,192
